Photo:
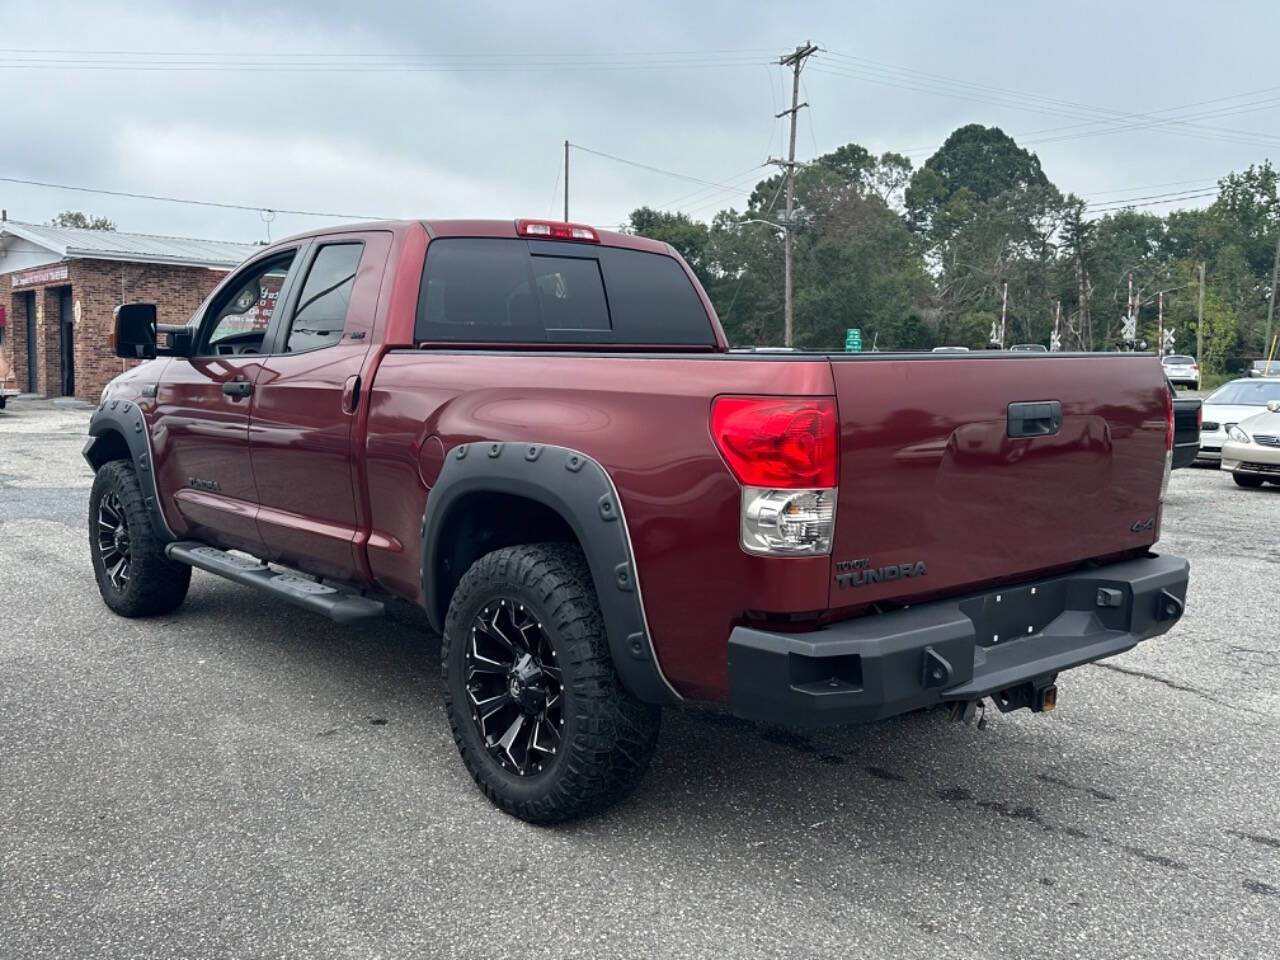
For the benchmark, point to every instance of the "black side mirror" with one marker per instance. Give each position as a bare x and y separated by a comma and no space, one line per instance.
135,331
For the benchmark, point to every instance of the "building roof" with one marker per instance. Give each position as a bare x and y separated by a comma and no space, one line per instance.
75,242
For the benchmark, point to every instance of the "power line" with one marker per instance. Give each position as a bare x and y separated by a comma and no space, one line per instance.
1115,121
936,80
652,169
196,203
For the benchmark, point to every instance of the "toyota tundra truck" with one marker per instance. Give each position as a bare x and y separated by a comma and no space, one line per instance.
537,432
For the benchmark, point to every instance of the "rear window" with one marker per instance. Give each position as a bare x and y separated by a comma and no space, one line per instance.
1179,361
494,290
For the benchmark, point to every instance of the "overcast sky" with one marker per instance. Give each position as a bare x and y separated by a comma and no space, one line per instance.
683,86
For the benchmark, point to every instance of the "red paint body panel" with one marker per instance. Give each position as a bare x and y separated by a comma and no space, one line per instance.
926,471
645,421
928,474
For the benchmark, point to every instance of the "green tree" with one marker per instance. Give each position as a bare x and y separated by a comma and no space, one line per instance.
84,221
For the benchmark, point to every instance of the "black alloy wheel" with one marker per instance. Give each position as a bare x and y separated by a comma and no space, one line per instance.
114,545
515,687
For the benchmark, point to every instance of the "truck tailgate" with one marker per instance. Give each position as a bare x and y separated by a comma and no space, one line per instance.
936,496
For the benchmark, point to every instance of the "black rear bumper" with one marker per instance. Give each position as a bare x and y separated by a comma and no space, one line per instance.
1007,644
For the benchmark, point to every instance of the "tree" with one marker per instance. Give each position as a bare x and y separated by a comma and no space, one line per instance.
83,221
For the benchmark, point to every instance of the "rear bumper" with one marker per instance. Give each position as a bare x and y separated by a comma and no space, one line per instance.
1006,644
1185,454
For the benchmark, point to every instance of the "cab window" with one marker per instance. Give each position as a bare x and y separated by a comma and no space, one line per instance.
326,294
238,320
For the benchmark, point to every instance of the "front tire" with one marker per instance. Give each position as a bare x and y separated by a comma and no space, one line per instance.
1245,480
134,576
537,711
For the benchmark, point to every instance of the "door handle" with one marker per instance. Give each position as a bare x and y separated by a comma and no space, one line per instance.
236,389
1039,419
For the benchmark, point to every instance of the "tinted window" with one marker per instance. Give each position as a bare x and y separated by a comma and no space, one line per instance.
322,306
1180,361
515,291
478,290
570,293
652,299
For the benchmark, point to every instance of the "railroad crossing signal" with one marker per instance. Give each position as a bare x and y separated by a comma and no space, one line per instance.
1130,331
1168,339
853,340
1055,342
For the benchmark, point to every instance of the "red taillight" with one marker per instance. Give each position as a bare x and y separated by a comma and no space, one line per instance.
557,230
1200,416
1168,410
778,442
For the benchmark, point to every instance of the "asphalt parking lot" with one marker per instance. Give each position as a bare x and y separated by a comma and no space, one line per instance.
243,780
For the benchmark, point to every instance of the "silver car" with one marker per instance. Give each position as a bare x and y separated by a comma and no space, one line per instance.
1181,369
1227,406
1252,450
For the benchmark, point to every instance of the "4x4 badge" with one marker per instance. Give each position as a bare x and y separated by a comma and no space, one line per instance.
1140,525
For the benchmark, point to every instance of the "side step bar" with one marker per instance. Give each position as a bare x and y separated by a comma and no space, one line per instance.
341,604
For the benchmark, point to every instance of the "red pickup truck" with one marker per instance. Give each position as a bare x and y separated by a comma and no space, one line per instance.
537,432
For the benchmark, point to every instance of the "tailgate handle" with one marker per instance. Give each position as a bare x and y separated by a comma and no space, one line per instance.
1040,418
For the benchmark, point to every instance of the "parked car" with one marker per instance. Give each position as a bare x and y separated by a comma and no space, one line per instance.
1181,369
1030,348
1265,368
1186,428
1227,406
535,431
950,350
1252,450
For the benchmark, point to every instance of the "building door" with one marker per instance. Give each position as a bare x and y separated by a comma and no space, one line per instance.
33,366
66,324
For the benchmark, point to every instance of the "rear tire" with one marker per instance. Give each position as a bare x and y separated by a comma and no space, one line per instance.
134,576
579,742
1244,480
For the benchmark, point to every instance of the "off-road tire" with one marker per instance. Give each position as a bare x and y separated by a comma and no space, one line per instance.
1244,480
156,585
609,736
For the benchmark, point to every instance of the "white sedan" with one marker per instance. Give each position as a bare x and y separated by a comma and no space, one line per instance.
1227,406
1252,450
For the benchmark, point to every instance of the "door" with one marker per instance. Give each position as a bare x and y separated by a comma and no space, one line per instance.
305,403
67,328
200,429
33,364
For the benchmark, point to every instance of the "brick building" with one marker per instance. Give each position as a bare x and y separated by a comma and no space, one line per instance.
59,286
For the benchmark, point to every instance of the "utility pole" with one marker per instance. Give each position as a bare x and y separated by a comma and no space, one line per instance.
1004,304
795,61
1160,325
1271,303
1200,322
566,181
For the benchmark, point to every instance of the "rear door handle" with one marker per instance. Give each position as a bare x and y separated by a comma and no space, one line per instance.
236,389
1040,418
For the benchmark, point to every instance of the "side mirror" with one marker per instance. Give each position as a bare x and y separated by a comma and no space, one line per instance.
135,331
1273,406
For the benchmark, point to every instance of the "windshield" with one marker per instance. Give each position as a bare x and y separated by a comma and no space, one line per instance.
1247,393
1180,361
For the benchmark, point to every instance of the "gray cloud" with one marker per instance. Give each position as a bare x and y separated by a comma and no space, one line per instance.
487,143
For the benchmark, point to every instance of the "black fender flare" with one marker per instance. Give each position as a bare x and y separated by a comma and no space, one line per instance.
117,421
580,490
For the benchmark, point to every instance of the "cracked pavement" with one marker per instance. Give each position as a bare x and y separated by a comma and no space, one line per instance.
245,780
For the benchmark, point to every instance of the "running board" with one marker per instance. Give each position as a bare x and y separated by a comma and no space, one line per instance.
341,604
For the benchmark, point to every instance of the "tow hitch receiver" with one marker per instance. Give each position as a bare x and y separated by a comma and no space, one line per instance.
1039,696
